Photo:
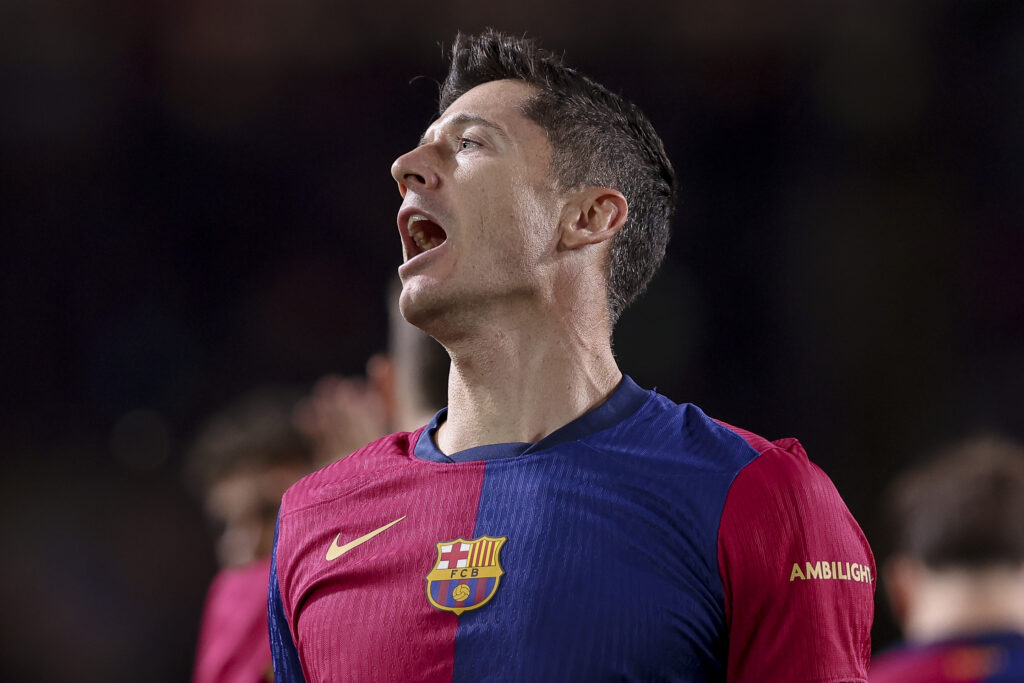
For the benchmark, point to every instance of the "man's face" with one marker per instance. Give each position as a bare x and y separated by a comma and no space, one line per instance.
243,506
480,210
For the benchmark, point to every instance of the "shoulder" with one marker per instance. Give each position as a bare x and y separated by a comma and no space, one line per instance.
782,494
374,460
996,656
796,570
782,473
236,590
908,664
245,578
311,506
683,435
748,469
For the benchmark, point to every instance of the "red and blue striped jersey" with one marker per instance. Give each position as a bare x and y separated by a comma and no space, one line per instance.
643,541
996,657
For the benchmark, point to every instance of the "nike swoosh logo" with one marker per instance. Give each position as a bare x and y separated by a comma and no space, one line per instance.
336,551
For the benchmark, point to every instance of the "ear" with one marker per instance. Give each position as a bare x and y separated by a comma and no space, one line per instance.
592,216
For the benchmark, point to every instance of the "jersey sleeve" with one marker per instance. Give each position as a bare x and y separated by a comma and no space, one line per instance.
797,573
285,655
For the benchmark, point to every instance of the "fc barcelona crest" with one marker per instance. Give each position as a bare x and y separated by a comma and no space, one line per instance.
466,573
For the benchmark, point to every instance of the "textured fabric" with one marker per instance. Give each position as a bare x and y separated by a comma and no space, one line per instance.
798,573
233,645
983,658
594,554
285,656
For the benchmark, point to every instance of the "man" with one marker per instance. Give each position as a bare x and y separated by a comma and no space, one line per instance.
248,454
556,522
242,460
403,389
956,578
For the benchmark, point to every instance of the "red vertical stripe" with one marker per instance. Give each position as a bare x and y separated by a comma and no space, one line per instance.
481,591
308,583
806,513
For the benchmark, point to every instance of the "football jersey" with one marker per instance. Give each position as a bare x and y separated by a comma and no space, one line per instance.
643,541
233,645
996,657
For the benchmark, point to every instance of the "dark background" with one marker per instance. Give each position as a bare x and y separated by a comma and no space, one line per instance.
195,200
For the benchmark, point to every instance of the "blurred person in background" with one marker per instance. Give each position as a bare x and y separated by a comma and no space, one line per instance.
402,390
556,521
955,579
242,460
247,456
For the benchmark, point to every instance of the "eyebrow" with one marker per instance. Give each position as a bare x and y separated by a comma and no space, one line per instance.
466,120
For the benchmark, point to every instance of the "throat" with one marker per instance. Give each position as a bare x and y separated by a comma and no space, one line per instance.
510,398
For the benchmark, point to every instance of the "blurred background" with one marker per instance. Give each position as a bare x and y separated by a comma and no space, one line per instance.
195,201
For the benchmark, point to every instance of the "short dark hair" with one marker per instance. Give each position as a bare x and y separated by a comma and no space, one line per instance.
965,508
253,432
597,138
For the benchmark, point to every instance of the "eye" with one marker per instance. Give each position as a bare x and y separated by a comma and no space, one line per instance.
466,143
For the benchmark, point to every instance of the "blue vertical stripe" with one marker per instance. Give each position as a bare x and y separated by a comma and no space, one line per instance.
287,668
611,559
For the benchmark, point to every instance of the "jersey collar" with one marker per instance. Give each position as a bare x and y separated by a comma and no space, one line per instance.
623,402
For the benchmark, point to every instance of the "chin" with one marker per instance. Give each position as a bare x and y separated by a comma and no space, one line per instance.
417,303
437,315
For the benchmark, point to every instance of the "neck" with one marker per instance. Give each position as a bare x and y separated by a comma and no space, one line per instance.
959,602
523,379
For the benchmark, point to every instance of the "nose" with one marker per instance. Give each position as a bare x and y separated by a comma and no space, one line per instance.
415,170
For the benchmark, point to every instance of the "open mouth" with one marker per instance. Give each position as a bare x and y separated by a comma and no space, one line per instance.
425,233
